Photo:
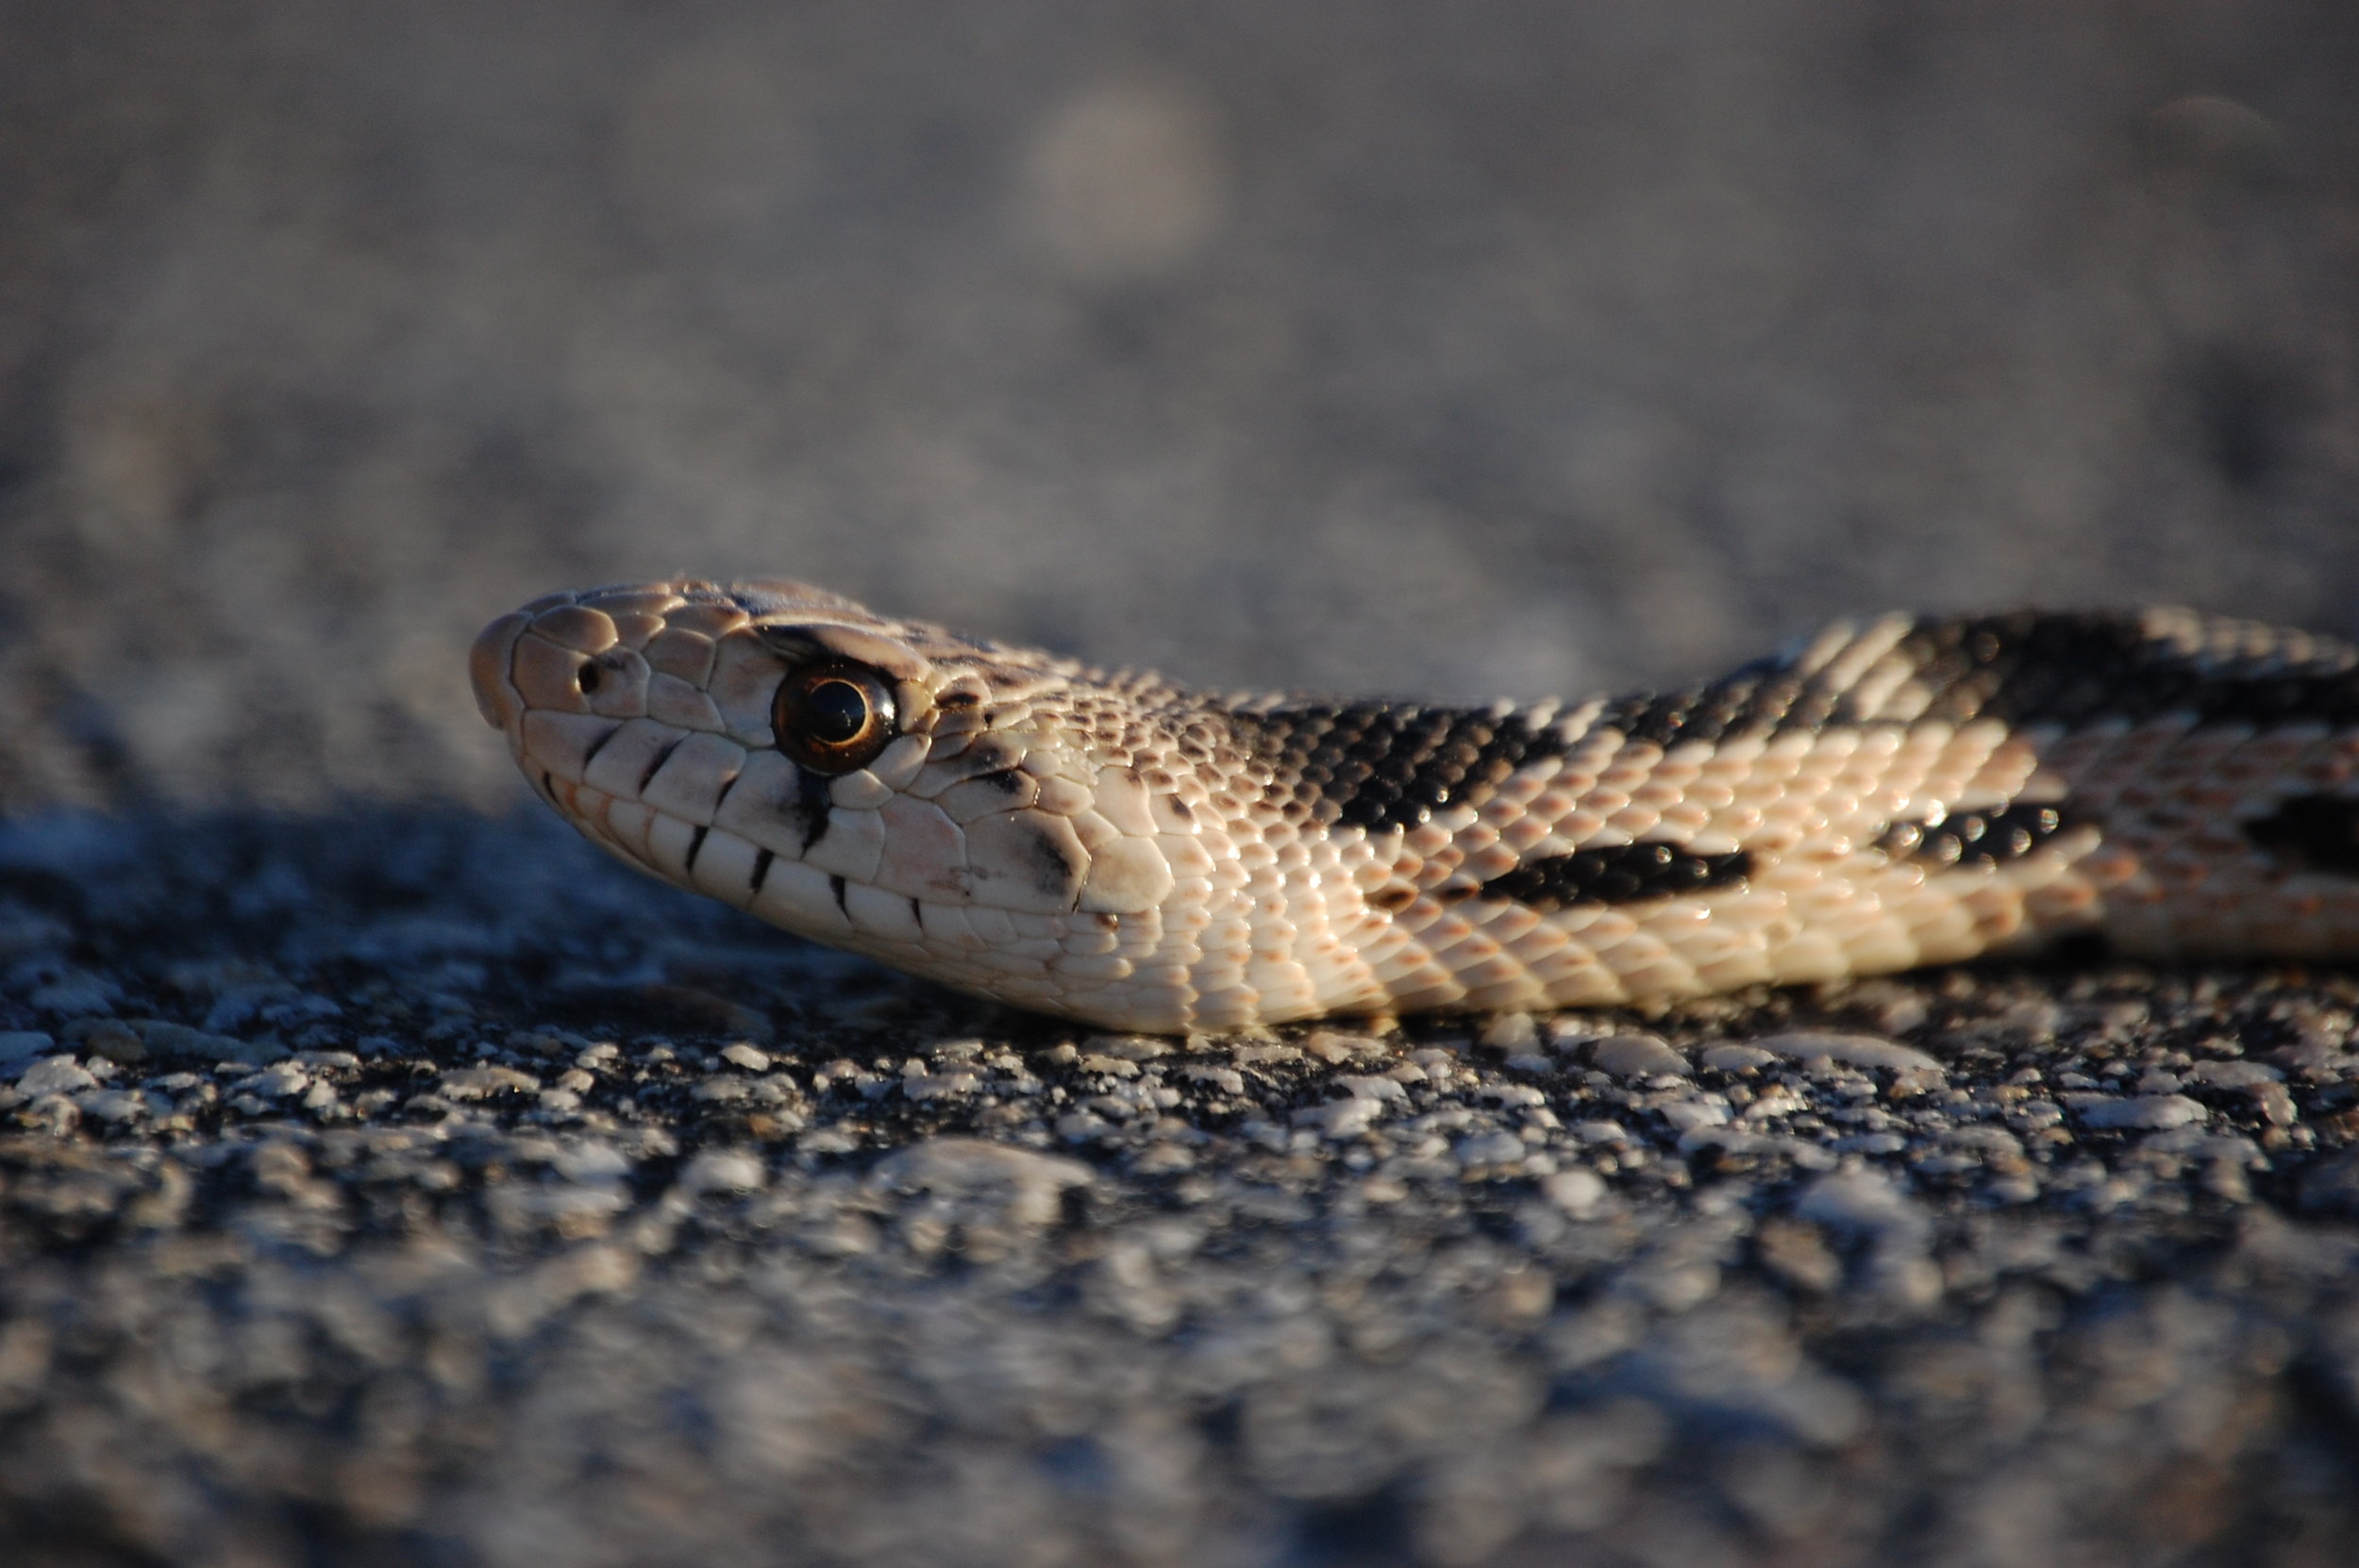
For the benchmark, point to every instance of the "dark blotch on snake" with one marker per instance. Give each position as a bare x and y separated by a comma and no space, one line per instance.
2031,667
2075,669
2316,832
1053,867
1622,873
1974,841
1382,765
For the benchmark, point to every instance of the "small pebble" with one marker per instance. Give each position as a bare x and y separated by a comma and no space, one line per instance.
1083,1126
112,1105
1852,1050
273,1083
1568,1033
1578,1193
1865,1201
1259,1056
723,1171
1687,1115
1490,1148
1345,1118
2235,1075
939,1086
1129,1047
592,1160
747,1056
1510,1033
475,1083
54,1075
1027,1187
2144,1111
1635,1056
1333,1048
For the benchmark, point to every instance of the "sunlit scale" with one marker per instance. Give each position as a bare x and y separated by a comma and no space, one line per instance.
1117,850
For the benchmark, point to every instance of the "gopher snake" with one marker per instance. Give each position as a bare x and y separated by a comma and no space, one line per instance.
1108,847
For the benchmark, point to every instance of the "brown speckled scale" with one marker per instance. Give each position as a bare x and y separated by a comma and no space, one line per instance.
1112,848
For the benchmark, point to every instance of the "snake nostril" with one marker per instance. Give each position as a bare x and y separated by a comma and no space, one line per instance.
589,679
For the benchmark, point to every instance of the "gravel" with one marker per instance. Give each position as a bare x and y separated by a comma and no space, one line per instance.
477,1270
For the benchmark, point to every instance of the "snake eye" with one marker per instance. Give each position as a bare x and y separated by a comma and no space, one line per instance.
833,718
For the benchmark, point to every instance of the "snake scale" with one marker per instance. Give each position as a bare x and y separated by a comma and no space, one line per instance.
1112,848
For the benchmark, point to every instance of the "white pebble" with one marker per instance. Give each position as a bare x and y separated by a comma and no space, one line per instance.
1026,1187
2144,1110
1490,1148
1345,1118
273,1083
475,1083
1855,1050
1635,1056
939,1086
1513,1032
54,1075
1577,1192
1688,1115
723,1171
1865,1201
744,1055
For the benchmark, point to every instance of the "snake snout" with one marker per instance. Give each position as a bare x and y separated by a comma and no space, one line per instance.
495,695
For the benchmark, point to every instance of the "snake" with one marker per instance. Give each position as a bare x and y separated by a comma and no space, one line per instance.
1112,848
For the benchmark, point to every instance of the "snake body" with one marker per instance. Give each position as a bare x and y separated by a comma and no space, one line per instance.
1112,848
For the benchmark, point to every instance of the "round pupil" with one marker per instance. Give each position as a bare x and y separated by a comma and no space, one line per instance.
835,711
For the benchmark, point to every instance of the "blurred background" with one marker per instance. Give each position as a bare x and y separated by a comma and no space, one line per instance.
1513,347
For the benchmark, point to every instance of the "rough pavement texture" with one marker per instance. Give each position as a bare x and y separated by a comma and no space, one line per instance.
385,1183
414,1188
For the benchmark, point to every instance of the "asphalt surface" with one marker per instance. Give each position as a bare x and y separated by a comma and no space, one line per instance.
384,1178
416,1188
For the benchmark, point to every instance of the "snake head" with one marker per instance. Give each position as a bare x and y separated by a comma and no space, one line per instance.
886,786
